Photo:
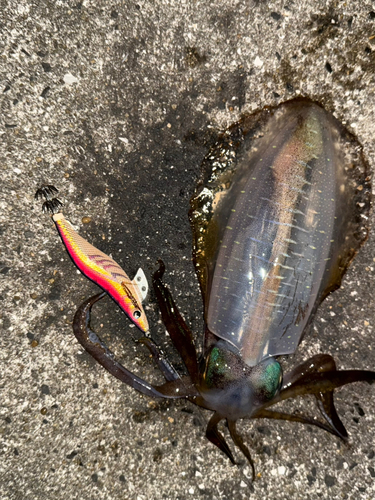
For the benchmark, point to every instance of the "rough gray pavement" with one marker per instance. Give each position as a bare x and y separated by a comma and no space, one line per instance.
116,103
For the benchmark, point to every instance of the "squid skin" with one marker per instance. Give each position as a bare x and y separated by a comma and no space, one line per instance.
279,214
104,271
283,231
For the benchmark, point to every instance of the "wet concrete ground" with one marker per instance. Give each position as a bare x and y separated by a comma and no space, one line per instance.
116,104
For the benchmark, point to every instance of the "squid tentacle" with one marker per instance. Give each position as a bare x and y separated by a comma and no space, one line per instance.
178,330
216,438
99,351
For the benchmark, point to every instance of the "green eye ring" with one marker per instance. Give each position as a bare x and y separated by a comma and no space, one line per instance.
267,378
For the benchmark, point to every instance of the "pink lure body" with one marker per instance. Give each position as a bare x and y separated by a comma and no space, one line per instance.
103,271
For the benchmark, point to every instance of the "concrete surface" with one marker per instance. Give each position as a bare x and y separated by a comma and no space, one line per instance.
116,103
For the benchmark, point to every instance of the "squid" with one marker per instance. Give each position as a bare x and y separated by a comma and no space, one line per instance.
280,212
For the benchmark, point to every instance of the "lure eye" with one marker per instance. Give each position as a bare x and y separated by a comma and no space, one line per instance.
136,314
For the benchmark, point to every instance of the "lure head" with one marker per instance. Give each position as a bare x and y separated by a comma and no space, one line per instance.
234,389
132,306
135,293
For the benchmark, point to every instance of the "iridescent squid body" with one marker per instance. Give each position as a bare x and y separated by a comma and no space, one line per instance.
279,214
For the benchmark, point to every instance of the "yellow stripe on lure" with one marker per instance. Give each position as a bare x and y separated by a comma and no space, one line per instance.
105,272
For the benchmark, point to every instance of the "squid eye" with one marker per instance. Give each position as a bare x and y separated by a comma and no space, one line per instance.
136,314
